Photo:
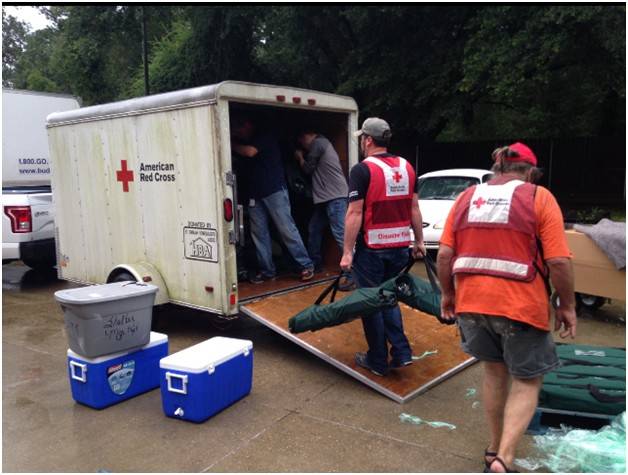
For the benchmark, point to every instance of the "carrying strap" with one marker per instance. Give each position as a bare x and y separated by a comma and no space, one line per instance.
333,286
602,397
574,361
573,377
430,267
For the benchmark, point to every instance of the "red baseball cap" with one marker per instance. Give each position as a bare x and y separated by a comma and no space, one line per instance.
525,154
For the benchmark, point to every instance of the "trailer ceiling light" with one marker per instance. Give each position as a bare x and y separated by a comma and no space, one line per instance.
21,219
228,205
296,100
311,102
281,98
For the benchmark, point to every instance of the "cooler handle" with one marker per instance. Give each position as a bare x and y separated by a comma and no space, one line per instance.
184,382
82,377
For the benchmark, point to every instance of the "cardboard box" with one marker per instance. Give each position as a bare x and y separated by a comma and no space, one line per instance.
595,273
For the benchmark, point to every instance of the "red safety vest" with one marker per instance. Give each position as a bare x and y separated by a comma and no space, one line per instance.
495,231
388,202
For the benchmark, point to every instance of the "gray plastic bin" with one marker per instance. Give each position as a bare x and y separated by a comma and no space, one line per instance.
104,319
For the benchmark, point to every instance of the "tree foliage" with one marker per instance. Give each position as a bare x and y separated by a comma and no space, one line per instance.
13,42
448,72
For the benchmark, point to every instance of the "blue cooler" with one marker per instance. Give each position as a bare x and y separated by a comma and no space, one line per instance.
110,379
203,379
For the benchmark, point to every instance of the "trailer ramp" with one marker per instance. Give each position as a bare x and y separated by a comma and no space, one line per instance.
337,345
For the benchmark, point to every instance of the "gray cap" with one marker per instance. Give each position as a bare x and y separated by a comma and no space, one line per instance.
375,127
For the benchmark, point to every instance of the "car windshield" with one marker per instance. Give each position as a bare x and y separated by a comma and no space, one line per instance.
444,187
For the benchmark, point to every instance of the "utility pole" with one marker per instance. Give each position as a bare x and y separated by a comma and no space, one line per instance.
145,52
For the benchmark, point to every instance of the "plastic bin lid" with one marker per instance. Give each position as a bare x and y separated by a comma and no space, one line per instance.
104,292
155,339
207,354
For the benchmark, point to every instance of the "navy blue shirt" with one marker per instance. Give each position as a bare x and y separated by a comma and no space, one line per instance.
264,174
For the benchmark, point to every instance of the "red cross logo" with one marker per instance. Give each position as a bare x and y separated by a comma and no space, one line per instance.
479,202
397,177
125,176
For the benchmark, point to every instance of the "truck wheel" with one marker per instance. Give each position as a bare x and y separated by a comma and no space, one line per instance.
39,264
590,302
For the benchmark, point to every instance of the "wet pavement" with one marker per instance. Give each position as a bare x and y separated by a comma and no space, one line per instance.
301,416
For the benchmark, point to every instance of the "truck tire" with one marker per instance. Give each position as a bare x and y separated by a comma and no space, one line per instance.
39,264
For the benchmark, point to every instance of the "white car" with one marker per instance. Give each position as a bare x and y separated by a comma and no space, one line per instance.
437,194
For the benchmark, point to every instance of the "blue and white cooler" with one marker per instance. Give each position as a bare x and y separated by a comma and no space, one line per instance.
203,379
110,379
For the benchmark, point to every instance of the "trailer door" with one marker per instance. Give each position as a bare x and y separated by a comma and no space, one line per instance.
338,345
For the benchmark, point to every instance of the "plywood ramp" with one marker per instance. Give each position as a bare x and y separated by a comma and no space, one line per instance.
337,345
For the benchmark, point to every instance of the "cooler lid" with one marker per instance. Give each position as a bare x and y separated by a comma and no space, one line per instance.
104,293
205,355
155,339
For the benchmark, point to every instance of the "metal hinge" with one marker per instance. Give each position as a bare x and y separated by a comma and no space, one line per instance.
232,237
230,178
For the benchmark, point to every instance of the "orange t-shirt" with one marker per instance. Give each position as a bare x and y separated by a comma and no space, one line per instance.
523,301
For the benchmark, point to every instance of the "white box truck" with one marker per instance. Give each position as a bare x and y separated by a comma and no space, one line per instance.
146,190
28,215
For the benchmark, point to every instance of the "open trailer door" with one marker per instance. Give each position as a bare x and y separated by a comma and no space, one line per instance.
338,345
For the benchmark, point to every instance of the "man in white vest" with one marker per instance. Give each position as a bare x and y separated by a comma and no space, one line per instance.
383,205
502,242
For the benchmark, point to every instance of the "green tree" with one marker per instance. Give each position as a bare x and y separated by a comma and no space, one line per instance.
539,71
33,71
14,34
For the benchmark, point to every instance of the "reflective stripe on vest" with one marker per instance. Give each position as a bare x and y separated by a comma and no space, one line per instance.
388,202
495,227
491,265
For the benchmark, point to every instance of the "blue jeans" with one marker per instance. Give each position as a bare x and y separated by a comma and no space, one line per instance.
371,268
332,212
276,206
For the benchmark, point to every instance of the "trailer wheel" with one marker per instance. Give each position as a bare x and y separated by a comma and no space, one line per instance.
583,301
122,276
590,302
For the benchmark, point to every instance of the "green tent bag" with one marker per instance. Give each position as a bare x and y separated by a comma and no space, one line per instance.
363,302
416,292
360,303
590,379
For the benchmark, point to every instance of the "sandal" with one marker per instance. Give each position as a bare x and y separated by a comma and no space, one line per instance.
502,463
487,464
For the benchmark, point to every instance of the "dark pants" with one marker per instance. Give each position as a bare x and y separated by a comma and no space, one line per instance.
371,268
332,212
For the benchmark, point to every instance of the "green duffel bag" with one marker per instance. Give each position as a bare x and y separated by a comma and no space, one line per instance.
416,292
360,303
411,290
590,379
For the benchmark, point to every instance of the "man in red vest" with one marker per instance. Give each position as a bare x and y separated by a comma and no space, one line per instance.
499,240
383,205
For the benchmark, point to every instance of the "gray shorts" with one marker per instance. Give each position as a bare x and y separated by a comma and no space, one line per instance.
526,351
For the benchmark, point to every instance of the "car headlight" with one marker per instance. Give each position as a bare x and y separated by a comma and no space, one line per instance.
439,225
